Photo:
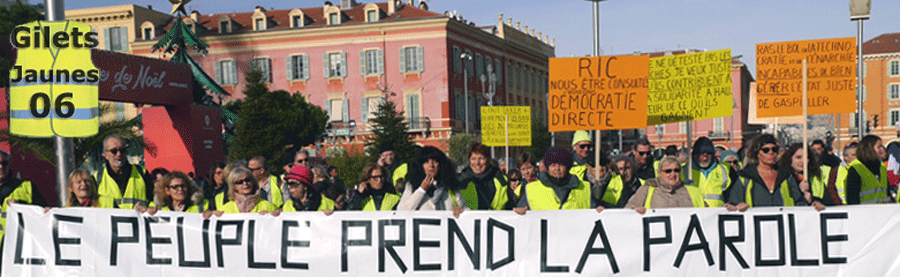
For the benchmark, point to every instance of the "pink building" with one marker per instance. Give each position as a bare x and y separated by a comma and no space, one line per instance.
345,58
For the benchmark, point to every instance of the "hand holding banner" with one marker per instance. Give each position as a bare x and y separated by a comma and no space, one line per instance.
598,93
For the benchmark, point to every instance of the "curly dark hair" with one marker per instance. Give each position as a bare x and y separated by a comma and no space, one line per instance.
787,159
446,176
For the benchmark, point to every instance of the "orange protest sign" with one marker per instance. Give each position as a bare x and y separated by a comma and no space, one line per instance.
598,93
831,80
752,117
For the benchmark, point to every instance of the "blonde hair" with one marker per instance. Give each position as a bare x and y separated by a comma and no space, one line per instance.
76,176
233,176
163,198
666,162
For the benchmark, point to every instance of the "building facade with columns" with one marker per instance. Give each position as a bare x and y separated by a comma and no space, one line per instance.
346,57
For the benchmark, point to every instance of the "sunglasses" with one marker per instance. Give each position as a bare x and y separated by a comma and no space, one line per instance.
734,162
376,177
115,151
177,187
242,181
301,161
254,169
643,153
586,146
676,170
766,150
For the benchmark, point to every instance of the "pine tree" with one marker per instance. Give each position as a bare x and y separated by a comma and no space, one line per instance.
389,128
272,122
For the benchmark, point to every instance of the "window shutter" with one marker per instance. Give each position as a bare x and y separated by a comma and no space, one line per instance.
123,35
290,67
479,66
402,60
267,70
362,63
344,64
457,68
328,108
379,56
218,66
498,67
326,65
345,110
364,109
234,77
420,58
107,41
305,67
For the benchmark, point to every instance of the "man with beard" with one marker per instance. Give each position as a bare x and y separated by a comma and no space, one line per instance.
713,178
129,185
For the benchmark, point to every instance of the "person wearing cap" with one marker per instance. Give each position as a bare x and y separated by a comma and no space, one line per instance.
557,188
243,190
375,192
581,148
304,196
713,178
730,158
486,186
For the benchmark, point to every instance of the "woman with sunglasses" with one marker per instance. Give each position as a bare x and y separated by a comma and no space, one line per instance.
375,192
666,191
867,180
763,183
243,190
730,158
432,184
304,197
176,192
813,189
516,185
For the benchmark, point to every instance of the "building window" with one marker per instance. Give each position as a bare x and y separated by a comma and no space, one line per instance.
260,24
335,64
371,62
411,59
855,119
893,91
895,117
479,66
369,107
297,20
116,38
223,27
894,68
372,16
338,110
413,113
469,64
298,67
148,33
226,72
333,19
457,60
682,127
498,69
264,65
718,125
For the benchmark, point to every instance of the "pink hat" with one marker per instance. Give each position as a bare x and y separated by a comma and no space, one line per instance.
300,173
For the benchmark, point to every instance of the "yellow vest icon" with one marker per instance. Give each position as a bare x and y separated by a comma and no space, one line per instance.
53,90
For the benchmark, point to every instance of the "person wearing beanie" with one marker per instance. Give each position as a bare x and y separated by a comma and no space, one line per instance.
556,189
713,178
304,196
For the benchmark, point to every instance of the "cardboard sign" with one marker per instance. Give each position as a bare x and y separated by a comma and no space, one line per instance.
598,93
831,80
752,117
494,125
690,87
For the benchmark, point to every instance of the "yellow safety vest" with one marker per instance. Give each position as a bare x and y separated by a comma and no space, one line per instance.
275,191
841,183
817,186
696,197
220,200
399,173
542,197
579,171
326,204
613,192
134,192
785,194
192,209
390,200
518,190
261,205
871,190
470,194
713,185
22,193
61,107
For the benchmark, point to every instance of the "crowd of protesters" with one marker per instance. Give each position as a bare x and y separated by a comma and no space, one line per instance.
764,173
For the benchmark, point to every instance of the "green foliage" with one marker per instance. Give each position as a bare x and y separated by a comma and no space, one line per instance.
389,128
349,166
459,145
10,17
540,139
273,122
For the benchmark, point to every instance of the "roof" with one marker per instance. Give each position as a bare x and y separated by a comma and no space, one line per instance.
280,19
884,43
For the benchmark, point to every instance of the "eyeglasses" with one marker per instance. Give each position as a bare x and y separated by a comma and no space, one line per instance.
670,170
734,162
766,150
299,161
293,184
585,146
115,151
177,187
255,169
242,181
643,153
376,177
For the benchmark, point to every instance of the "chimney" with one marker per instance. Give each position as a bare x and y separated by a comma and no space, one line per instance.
409,2
509,21
259,9
393,6
423,5
525,29
532,32
150,7
195,16
348,4
518,26
500,19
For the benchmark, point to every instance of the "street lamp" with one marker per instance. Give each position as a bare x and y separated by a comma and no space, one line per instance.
464,57
859,11
489,93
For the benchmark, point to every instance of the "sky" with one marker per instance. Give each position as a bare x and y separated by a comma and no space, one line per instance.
628,26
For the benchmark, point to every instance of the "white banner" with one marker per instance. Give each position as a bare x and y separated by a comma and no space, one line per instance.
845,241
